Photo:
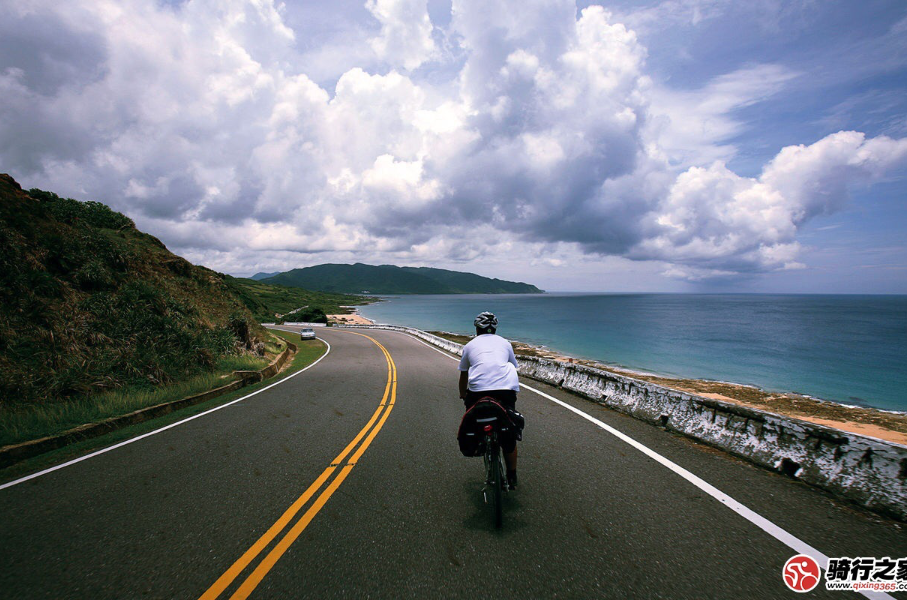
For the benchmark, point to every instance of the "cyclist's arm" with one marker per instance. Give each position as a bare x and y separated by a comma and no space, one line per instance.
464,372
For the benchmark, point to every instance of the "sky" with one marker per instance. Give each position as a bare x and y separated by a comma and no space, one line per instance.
661,146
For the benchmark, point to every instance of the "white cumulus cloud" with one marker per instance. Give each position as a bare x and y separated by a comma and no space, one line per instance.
540,130
715,218
405,39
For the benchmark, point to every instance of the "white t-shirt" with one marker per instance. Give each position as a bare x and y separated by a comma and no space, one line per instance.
491,364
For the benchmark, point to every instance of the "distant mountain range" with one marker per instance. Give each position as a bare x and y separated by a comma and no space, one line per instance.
389,279
260,276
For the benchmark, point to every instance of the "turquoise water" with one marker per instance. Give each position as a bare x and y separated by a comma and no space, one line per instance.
849,349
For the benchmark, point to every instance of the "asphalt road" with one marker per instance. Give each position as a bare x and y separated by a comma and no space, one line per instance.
400,514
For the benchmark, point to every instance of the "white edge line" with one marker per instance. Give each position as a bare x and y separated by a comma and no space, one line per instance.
793,542
165,428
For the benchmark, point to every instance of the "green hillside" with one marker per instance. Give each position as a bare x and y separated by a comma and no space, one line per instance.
266,301
88,303
468,283
389,279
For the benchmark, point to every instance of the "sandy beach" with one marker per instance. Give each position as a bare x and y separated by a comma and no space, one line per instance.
350,319
880,424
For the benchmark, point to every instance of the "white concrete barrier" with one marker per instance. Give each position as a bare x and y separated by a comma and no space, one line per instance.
865,470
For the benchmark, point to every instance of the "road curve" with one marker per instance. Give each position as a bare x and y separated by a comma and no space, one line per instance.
169,515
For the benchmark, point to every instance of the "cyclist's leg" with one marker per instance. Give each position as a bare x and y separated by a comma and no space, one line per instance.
510,459
508,399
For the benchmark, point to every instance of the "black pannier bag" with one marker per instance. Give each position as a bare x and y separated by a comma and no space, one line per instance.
487,411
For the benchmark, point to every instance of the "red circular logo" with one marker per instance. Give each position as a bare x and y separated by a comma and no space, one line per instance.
801,573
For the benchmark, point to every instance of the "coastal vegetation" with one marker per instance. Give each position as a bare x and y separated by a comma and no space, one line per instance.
271,302
389,279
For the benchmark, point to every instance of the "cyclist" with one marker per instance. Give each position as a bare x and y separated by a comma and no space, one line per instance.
489,368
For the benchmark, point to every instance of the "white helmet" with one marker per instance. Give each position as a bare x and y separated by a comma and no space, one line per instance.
486,320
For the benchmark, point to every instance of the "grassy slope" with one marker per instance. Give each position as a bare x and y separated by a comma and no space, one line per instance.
88,304
99,319
309,352
38,420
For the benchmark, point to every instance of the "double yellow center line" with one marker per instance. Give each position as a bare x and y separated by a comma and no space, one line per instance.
368,432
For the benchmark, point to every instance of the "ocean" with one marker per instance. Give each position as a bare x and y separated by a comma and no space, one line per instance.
847,349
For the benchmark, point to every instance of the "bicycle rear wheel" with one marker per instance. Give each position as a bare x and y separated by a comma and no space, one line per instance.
497,485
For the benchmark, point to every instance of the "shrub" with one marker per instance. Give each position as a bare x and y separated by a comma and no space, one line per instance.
69,210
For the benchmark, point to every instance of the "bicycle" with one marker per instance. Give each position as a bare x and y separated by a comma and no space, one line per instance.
484,426
495,480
